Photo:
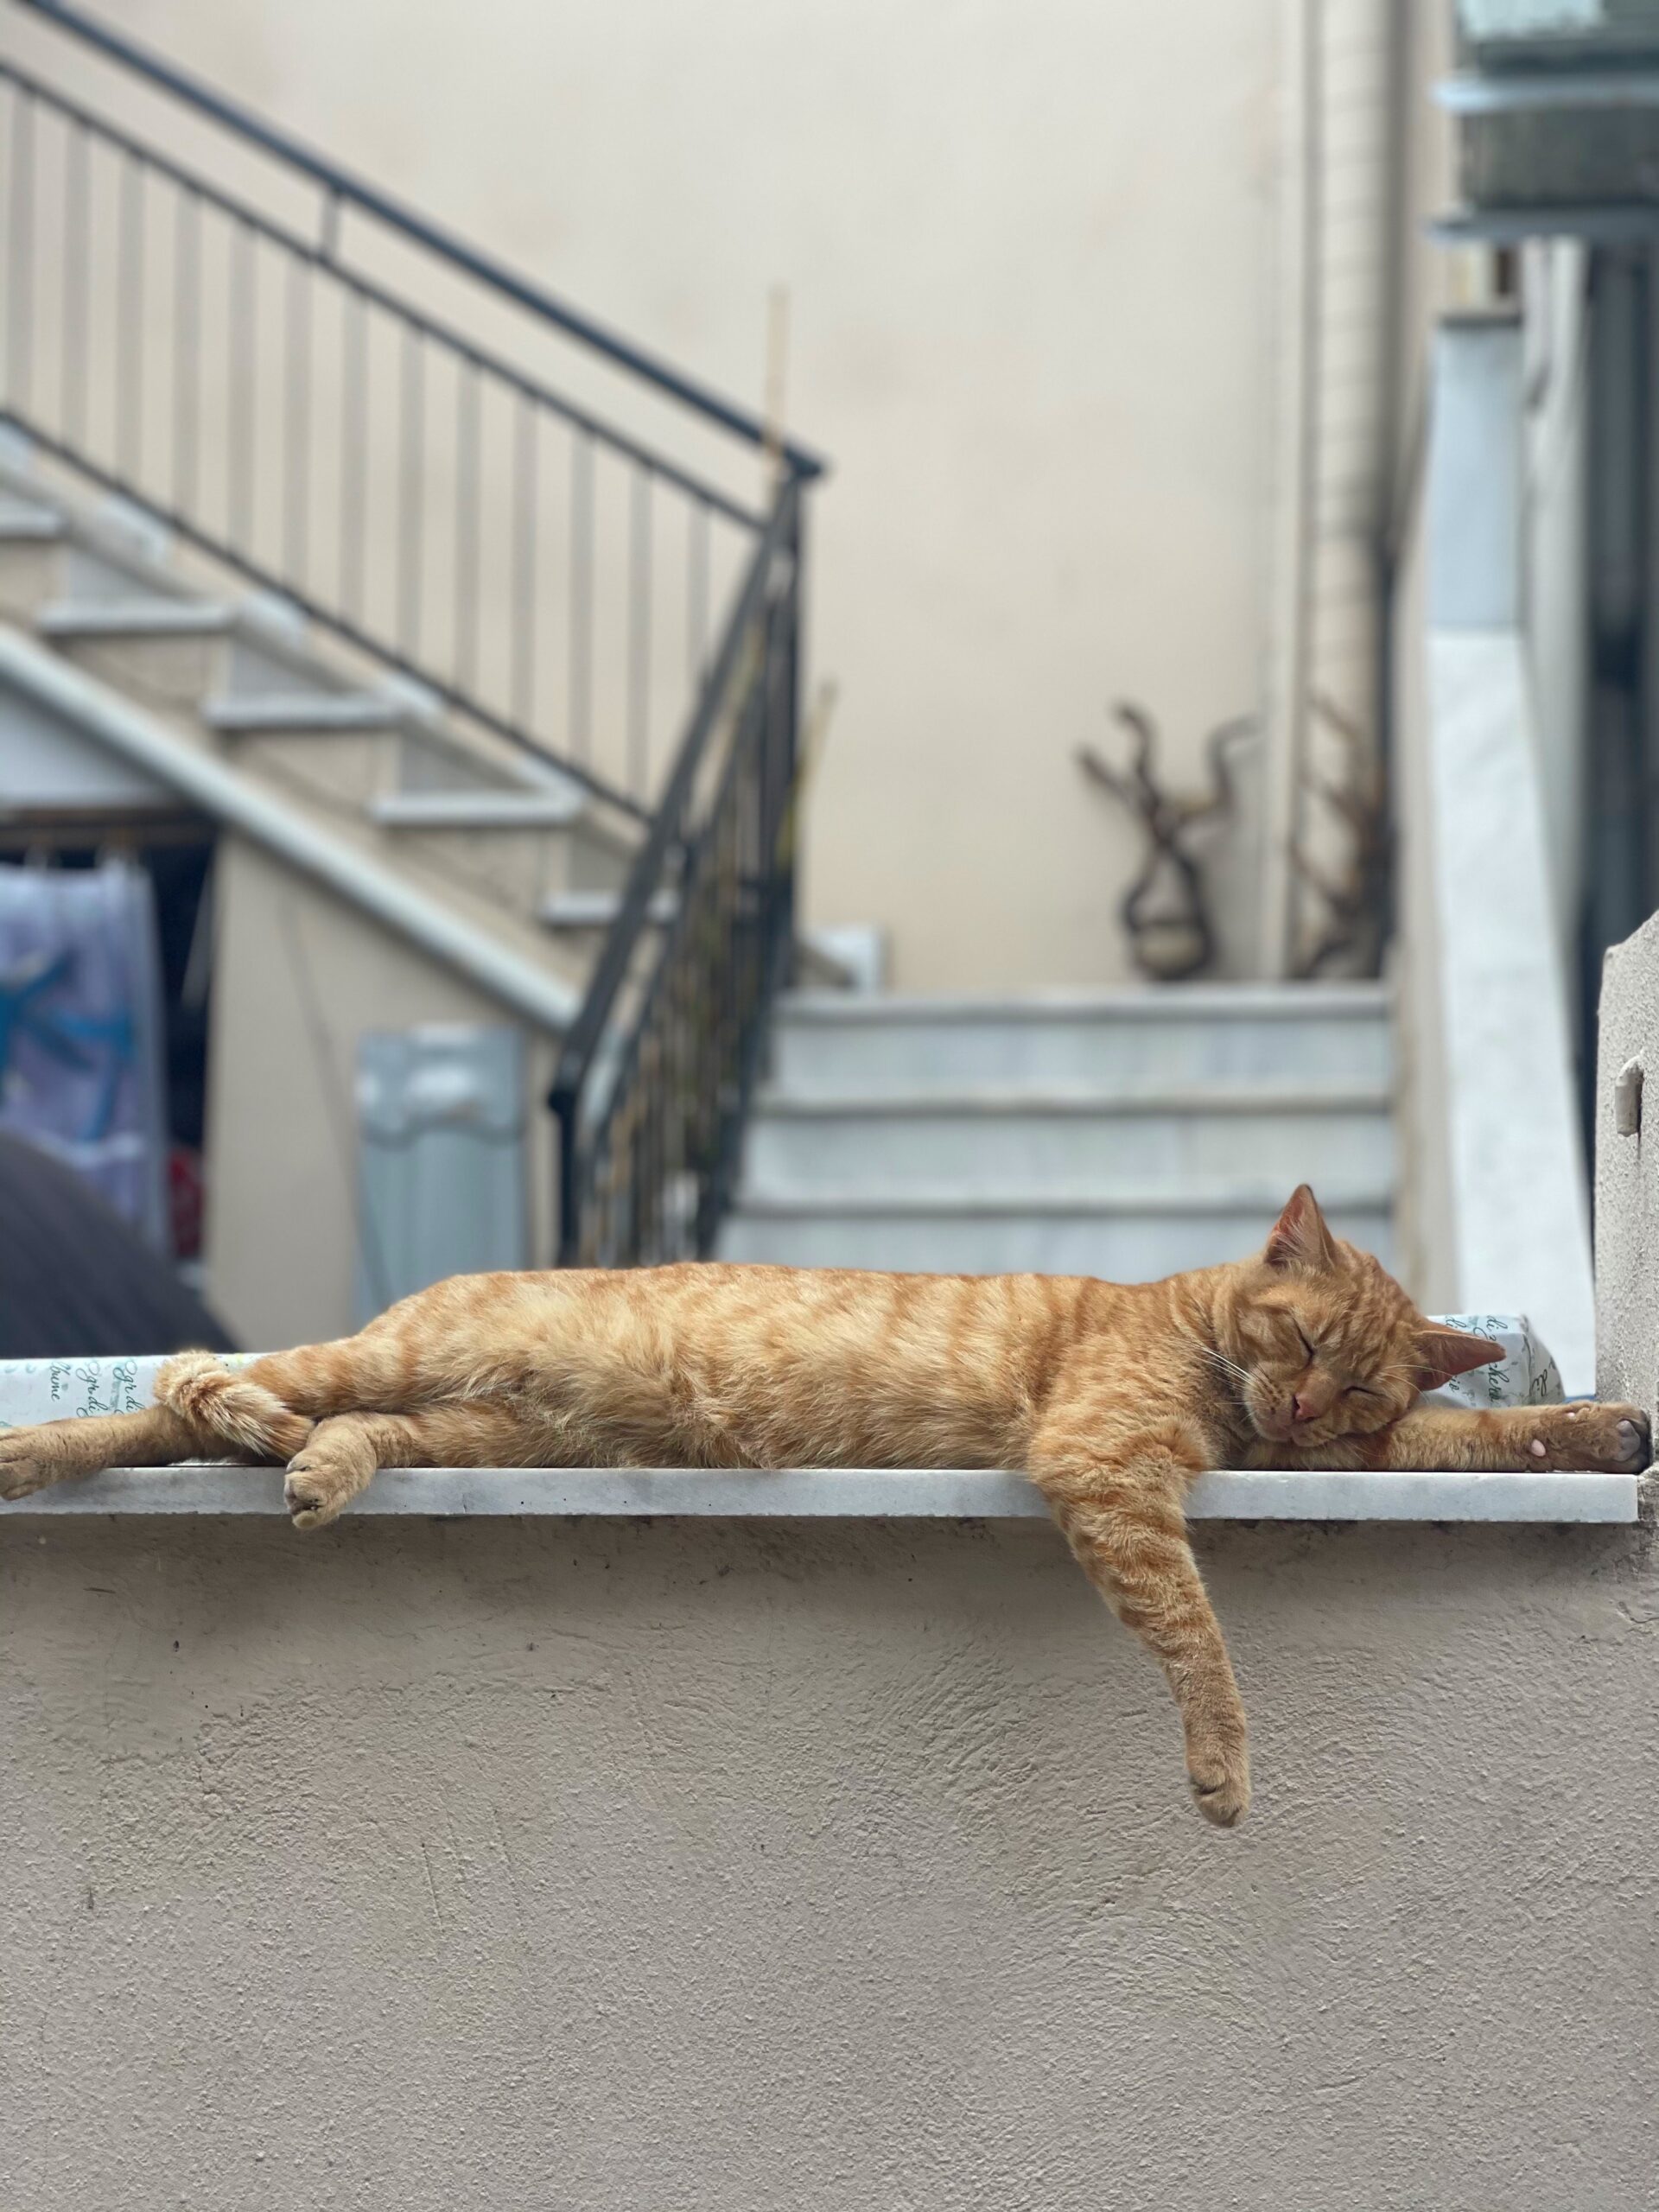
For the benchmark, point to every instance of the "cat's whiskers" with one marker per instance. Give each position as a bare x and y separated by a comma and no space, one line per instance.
1230,1366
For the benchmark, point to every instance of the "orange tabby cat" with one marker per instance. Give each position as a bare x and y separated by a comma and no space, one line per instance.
1110,1397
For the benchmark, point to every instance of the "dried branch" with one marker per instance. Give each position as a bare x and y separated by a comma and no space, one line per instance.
1356,899
1165,911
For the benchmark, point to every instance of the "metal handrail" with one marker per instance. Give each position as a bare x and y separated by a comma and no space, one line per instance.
651,863
376,295
711,1003
656,1069
343,187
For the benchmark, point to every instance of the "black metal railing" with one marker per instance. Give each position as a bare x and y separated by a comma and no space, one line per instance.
320,392
654,1078
290,369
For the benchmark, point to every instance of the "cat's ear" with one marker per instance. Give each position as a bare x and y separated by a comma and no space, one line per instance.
1442,1353
1300,1238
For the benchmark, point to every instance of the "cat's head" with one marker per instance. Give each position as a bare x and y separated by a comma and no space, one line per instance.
1322,1343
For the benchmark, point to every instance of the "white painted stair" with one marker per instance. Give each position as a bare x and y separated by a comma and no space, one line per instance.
499,841
1125,1133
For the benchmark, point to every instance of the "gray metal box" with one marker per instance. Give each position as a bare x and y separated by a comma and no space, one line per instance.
440,1157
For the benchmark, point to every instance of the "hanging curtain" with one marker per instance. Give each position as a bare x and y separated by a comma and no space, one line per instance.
82,1030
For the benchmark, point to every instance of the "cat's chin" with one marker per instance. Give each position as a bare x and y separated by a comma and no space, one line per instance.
1270,1428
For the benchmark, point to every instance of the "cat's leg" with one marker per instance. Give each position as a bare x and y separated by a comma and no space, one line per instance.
346,1451
1575,1439
32,1458
1116,1480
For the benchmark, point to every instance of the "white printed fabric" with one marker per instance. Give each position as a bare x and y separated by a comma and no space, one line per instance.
57,1389
1526,1376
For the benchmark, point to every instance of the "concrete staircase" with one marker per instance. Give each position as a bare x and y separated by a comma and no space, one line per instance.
497,840
1125,1133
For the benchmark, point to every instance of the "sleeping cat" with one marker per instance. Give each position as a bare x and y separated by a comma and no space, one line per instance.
1110,1397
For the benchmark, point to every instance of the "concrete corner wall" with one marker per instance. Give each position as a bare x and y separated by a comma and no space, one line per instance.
599,1866
1627,1178
1486,1052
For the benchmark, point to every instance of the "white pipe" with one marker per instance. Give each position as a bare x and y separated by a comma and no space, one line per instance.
1290,624
350,872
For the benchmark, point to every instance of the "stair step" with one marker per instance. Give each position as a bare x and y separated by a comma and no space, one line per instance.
23,522
480,810
880,1042
302,713
1202,1138
1127,1238
135,618
598,909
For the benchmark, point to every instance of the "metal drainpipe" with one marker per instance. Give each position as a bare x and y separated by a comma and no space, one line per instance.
1344,258
1291,612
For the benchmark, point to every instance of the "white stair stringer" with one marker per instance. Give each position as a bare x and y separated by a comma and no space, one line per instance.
1125,1133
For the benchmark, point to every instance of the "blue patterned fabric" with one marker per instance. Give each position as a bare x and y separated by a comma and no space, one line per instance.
81,1029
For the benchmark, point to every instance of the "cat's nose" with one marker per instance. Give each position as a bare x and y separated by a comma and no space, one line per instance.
1301,1408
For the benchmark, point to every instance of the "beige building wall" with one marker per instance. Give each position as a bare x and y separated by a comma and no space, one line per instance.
577,1866
1031,256
298,978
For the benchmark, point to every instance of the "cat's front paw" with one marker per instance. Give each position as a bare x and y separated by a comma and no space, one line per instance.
22,1470
1219,1772
1588,1439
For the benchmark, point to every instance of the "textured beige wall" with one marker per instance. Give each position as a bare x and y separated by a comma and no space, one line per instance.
1031,254
298,978
603,1865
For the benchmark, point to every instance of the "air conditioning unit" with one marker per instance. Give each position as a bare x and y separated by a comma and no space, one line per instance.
1557,104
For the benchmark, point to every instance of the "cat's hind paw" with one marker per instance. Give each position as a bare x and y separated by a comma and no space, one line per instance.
316,1491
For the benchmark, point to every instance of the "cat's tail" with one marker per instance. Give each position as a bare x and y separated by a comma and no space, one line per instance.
226,1405
270,1408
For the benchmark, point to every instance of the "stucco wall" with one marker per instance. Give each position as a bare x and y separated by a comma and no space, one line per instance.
598,1865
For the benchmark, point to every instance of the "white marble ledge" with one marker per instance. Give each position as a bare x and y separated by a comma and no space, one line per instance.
900,1494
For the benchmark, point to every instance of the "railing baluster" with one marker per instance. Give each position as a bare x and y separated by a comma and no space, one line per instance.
130,295
640,635
697,588
410,510
239,414
297,426
466,529
581,595
76,282
525,506
187,349
20,274
354,453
